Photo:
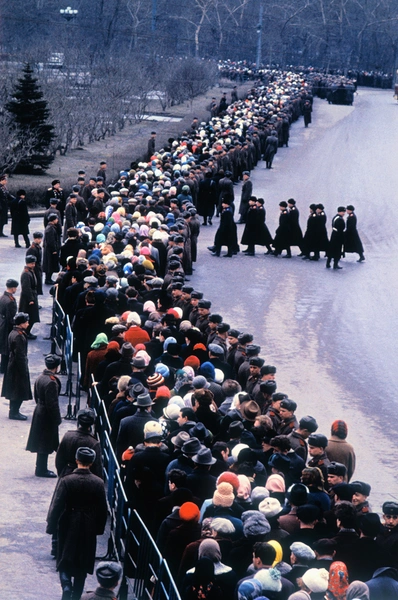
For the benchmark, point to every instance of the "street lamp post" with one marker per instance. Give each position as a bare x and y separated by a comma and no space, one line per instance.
259,36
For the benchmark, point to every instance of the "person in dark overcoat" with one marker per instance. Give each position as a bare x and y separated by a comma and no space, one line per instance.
307,110
36,250
71,247
335,249
28,302
16,383
5,198
226,234
55,191
207,198
282,234
72,440
321,234
151,145
271,148
20,219
264,236
225,190
250,233
246,194
309,238
70,215
77,514
296,235
51,247
8,310
131,430
352,241
43,436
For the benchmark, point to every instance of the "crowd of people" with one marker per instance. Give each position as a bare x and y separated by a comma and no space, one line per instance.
244,498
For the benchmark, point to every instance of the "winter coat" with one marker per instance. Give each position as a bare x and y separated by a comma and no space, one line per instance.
336,243
70,248
131,430
341,451
321,235
309,243
51,246
384,584
65,458
28,295
352,241
20,217
16,382
43,436
70,218
77,514
8,310
296,235
247,191
207,197
282,234
226,234
36,250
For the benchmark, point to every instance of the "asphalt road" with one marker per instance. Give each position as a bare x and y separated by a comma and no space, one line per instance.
332,335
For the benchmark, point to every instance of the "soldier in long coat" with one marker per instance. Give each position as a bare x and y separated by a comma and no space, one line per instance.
8,310
264,236
36,250
271,148
55,191
28,302
226,234
250,235
207,198
16,382
309,238
282,234
77,514
296,235
20,219
335,249
43,436
321,234
352,241
247,190
51,247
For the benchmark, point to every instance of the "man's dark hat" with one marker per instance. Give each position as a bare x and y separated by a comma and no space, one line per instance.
390,508
30,259
52,361
318,440
336,468
108,574
288,404
85,455
268,370
297,494
10,283
361,487
143,400
86,416
268,387
20,318
308,423
245,338
235,429
192,446
204,457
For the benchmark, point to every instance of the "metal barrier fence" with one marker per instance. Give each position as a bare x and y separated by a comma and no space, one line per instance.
146,575
57,334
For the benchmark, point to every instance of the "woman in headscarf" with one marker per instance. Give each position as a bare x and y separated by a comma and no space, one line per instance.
357,590
203,584
338,581
225,577
99,348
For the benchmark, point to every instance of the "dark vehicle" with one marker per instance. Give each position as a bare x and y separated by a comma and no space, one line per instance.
341,94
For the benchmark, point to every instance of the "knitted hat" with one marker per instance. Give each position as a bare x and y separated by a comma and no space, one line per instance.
162,369
270,507
270,580
152,429
224,495
257,524
229,477
339,429
192,361
275,483
162,392
155,381
99,341
189,512
316,580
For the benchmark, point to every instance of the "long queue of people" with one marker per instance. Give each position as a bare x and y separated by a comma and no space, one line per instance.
215,460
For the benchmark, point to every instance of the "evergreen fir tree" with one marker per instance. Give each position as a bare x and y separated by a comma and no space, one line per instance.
29,115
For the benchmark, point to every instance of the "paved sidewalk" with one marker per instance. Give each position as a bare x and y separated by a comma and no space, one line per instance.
27,570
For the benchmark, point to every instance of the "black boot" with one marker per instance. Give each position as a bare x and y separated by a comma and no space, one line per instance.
361,258
328,263
336,264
